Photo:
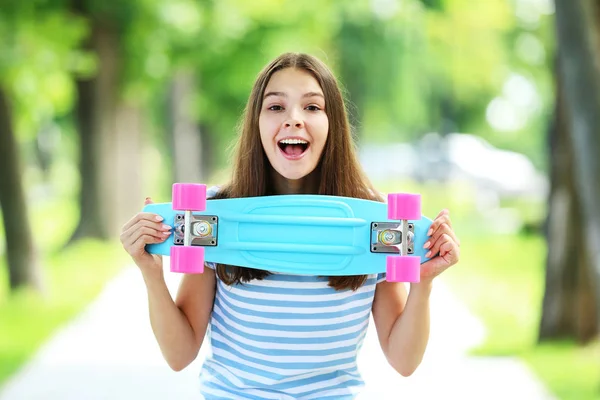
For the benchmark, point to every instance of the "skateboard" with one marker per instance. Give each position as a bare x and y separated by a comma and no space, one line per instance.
296,234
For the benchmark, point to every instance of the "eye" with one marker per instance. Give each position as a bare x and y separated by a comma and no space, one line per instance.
275,108
313,108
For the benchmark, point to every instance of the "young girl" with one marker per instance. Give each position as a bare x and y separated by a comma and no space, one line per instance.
281,336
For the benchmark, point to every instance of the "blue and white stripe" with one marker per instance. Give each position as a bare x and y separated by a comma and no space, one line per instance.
286,337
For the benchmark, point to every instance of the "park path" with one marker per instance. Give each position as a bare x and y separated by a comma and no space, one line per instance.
108,353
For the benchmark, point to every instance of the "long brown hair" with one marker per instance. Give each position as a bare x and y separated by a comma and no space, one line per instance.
339,169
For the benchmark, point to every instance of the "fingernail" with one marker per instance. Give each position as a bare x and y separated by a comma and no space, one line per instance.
429,232
428,254
427,244
167,233
159,218
166,227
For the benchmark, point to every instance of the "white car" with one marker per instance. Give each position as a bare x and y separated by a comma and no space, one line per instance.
470,158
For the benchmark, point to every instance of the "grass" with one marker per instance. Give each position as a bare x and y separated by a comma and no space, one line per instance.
73,278
570,371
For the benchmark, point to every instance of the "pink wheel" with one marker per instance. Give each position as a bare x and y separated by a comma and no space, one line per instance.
189,197
403,269
187,259
404,206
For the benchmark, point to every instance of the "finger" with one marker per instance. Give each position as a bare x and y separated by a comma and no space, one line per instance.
441,240
442,229
437,265
137,247
450,252
147,227
445,211
142,216
443,218
155,229
147,201
435,247
434,267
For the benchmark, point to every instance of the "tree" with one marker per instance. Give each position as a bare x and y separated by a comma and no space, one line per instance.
36,48
569,308
95,115
577,32
23,267
109,126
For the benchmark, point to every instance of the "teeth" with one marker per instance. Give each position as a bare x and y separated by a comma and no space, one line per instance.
293,141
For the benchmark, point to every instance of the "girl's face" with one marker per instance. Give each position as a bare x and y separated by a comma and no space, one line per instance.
293,123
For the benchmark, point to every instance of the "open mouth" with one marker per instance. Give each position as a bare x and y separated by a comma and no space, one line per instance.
293,148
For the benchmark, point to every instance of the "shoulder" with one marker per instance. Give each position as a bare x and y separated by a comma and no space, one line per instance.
212,191
372,193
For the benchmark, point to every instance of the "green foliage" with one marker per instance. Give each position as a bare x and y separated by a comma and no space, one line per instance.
38,56
409,67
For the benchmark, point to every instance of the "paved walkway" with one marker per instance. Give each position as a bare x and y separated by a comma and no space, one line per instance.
109,352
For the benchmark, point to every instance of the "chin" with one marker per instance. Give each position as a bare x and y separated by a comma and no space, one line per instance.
293,176
296,174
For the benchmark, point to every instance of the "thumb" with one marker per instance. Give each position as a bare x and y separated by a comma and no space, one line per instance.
434,266
148,201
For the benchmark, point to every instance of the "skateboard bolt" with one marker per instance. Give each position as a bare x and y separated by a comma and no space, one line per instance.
202,228
387,237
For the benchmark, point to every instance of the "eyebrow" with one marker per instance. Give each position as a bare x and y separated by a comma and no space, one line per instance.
282,94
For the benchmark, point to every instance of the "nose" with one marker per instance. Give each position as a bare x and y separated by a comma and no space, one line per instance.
296,123
293,119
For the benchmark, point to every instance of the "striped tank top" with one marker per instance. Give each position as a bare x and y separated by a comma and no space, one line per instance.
286,337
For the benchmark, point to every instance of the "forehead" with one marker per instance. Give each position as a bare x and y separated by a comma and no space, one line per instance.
293,79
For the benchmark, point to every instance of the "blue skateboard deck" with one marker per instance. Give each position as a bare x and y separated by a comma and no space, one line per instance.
296,234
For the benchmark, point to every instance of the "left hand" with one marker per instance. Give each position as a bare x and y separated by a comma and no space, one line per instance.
443,247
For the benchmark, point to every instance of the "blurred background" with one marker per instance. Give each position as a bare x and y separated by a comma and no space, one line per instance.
489,108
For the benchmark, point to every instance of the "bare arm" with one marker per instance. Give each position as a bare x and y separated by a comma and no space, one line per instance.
401,320
180,326
402,323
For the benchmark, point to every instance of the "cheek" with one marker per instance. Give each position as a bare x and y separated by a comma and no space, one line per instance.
266,144
267,127
263,129
323,130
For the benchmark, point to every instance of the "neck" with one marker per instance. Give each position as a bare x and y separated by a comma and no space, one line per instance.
306,185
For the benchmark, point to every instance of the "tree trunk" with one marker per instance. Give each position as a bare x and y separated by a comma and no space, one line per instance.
96,112
186,140
352,73
90,221
569,308
578,36
128,179
23,267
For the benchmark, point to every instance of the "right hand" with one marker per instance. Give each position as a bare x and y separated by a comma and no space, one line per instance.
144,228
